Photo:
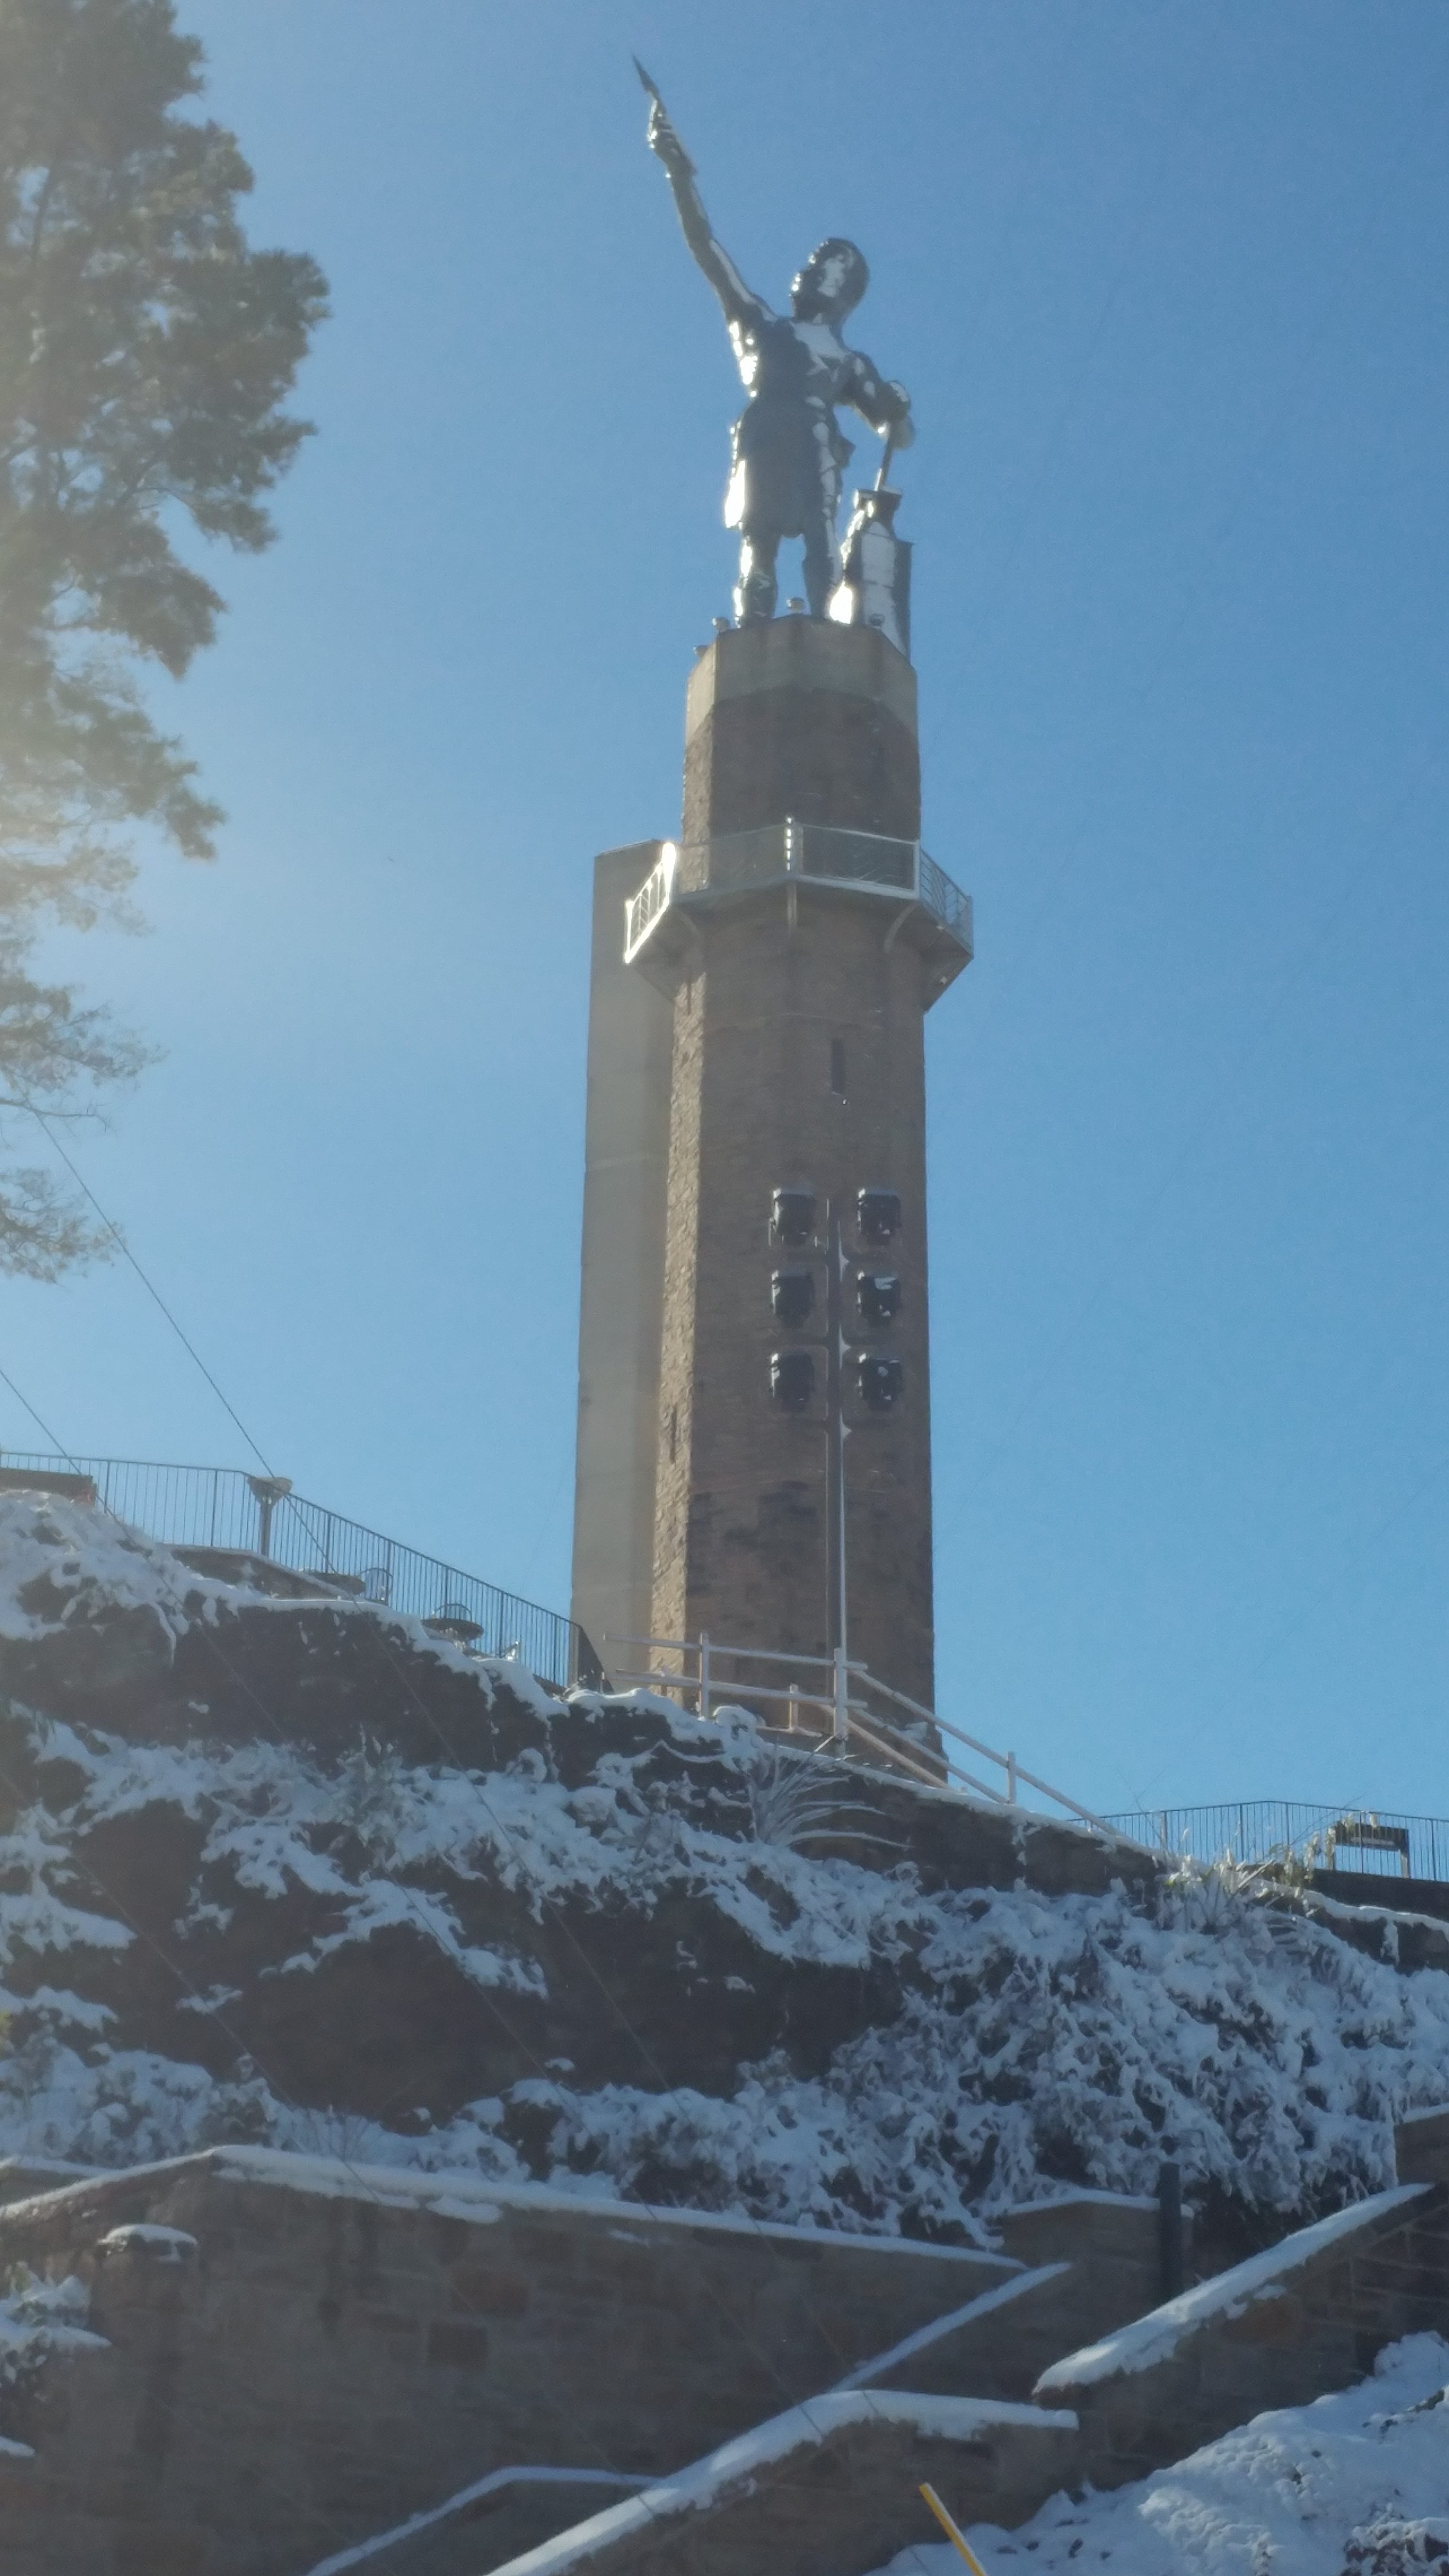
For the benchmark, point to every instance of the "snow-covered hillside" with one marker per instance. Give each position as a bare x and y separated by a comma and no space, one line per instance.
1356,2485
300,1874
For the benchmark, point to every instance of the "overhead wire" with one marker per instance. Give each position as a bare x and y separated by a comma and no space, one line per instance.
1053,440
147,1282
451,1752
521,2048
248,2053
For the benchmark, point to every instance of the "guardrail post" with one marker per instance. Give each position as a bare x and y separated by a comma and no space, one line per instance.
1011,1779
703,1676
1169,2225
840,1726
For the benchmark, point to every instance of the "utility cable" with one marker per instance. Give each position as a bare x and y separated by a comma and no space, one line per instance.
452,1754
58,1446
249,2054
367,2189
520,2046
147,1283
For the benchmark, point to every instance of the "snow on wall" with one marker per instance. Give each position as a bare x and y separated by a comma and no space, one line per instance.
695,2489
1357,2482
1152,2338
38,2318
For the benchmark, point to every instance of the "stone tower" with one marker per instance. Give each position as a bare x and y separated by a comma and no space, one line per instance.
754,1453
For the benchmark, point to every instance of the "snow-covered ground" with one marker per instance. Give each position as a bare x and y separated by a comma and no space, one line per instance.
998,2043
1356,2485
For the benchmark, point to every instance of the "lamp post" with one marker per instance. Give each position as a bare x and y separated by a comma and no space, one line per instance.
269,1491
837,1432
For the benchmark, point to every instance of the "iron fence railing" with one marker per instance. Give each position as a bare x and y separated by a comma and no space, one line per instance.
733,862
1368,1841
223,1507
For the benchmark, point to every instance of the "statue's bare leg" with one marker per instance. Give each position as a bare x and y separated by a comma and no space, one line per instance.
757,588
822,564
822,550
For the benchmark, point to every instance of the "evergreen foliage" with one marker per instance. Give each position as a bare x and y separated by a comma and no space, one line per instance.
146,353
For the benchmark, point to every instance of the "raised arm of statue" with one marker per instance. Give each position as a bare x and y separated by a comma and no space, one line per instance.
740,304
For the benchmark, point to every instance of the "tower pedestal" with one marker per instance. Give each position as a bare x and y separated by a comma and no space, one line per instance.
797,935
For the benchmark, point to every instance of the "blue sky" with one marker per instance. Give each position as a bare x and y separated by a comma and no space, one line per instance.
1169,286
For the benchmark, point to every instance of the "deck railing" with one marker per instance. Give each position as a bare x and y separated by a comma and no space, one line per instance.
855,1709
224,1507
822,854
1368,1841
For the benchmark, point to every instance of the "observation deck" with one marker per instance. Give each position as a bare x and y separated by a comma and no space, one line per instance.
693,878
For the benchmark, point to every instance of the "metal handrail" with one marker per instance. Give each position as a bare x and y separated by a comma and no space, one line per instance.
737,861
846,1714
1256,1830
225,1509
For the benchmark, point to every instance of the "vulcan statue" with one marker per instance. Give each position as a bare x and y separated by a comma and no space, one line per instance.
788,452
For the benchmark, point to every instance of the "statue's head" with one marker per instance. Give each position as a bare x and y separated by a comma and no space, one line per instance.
831,283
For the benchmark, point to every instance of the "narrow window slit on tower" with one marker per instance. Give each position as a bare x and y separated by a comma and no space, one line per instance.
673,1433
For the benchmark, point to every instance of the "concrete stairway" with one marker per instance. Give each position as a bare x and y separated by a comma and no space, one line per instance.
828,2492
307,2368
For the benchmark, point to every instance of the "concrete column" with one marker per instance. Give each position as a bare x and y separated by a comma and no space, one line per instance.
626,1152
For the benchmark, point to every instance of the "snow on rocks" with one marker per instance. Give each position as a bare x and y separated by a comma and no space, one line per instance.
1356,2482
62,1562
424,1917
38,2318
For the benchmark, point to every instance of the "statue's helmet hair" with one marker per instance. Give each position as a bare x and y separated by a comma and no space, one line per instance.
805,296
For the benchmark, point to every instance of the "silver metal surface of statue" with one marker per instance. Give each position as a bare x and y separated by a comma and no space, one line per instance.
788,453
875,578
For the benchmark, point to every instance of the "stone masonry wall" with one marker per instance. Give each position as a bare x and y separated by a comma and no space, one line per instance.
814,720
1314,2325
742,1526
329,2360
798,1058
838,2499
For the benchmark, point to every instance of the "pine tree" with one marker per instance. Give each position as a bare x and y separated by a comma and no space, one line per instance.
146,353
